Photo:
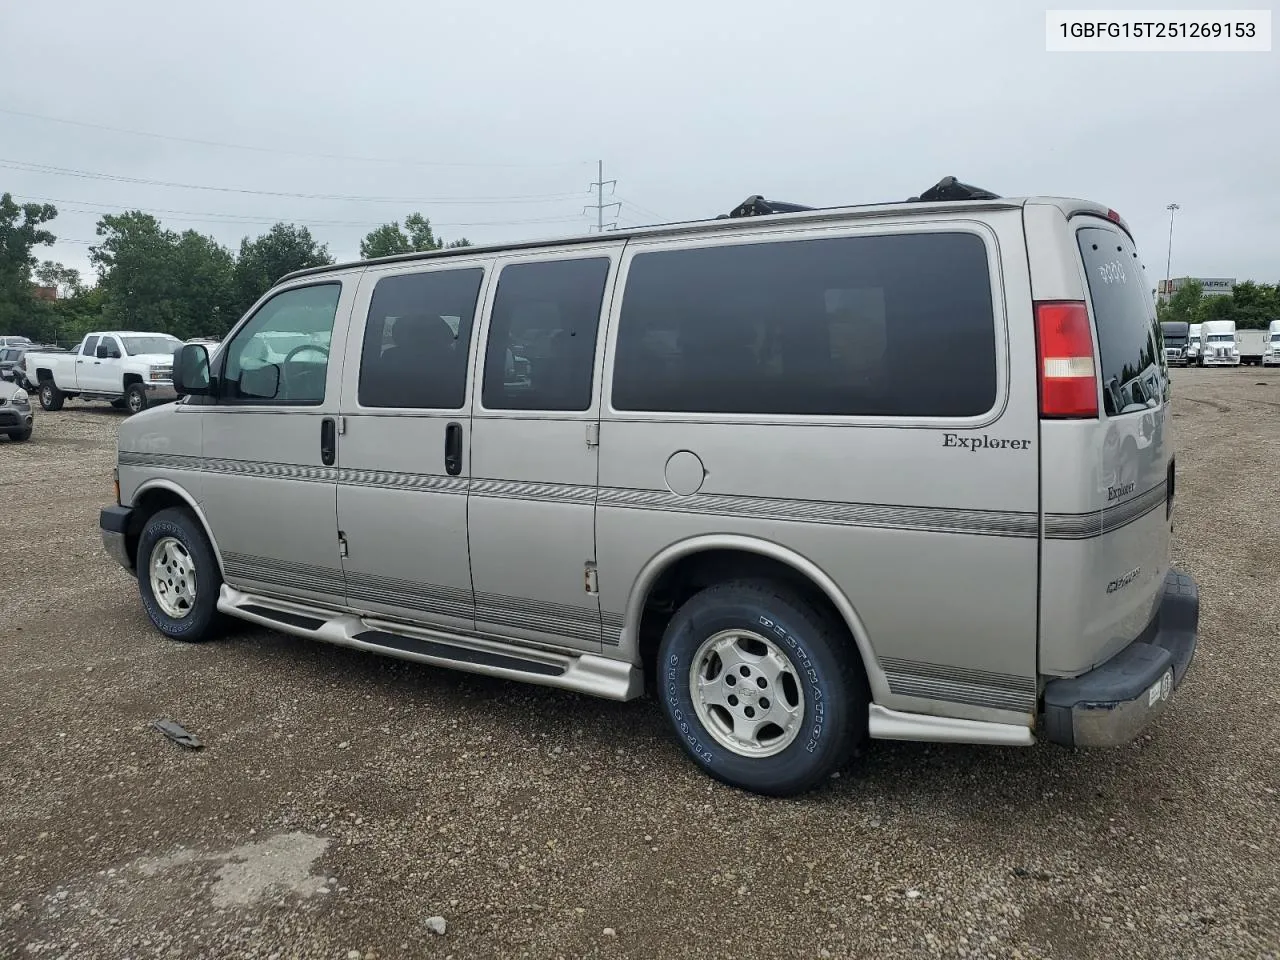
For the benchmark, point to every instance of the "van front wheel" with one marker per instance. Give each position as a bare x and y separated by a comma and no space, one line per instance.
764,692
178,576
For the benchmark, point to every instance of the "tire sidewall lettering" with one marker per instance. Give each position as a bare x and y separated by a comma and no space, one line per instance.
804,663
687,726
172,627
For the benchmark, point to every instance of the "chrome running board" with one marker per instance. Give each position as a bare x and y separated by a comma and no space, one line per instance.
584,673
886,724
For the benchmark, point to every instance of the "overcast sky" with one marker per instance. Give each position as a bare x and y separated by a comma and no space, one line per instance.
692,106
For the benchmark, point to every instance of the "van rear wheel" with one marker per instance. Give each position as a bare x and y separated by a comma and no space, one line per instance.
178,576
764,691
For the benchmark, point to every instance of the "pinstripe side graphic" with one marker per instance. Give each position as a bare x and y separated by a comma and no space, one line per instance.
519,490
938,519
991,523
421,482
612,624
424,597
559,619
298,576
275,471
161,461
978,688
1084,526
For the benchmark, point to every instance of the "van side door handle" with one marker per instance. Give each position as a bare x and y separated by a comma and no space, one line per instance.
453,449
328,441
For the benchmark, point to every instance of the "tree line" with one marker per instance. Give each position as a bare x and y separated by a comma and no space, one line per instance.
1251,305
152,278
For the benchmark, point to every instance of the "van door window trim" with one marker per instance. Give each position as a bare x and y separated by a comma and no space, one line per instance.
357,336
1000,309
615,252
217,400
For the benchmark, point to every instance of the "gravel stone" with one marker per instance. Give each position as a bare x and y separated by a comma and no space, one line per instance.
1020,853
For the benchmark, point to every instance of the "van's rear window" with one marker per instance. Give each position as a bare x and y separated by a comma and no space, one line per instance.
1129,340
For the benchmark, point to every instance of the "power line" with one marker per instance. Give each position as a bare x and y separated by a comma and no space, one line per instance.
281,150
28,167
644,210
199,216
599,205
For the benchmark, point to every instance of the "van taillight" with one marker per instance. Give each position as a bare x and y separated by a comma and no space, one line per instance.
1068,377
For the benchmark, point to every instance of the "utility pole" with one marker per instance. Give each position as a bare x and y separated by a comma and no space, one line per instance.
599,206
1168,264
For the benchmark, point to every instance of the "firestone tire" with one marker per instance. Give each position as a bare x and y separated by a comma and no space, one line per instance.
175,538
827,688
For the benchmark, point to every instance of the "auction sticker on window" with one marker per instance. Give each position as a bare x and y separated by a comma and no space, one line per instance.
1158,31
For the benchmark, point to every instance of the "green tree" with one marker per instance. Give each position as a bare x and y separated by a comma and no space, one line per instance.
417,236
21,232
156,279
66,280
1217,308
284,248
387,240
1256,304
68,319
1183,306
132,261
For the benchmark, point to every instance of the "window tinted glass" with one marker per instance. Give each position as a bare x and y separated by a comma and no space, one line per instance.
135,346
870,326
1130,343
542,336
90,347
417,340
281,356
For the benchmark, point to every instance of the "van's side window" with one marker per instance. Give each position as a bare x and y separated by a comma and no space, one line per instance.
281,356
542,335
897,325
417,340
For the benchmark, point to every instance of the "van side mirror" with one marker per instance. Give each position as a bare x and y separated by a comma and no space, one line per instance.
191,370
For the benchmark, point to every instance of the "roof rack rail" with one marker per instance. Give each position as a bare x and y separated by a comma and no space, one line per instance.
758,206
949,188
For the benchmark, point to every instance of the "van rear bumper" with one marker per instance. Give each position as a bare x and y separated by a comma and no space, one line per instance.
1111,704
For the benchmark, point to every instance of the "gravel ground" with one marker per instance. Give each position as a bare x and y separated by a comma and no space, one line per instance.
343,802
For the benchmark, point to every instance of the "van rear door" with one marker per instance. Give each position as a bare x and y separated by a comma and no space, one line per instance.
1108,481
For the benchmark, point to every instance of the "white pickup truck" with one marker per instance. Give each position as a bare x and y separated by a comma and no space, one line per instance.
129,369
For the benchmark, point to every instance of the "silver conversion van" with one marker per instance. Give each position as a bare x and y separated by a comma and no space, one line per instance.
813,476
